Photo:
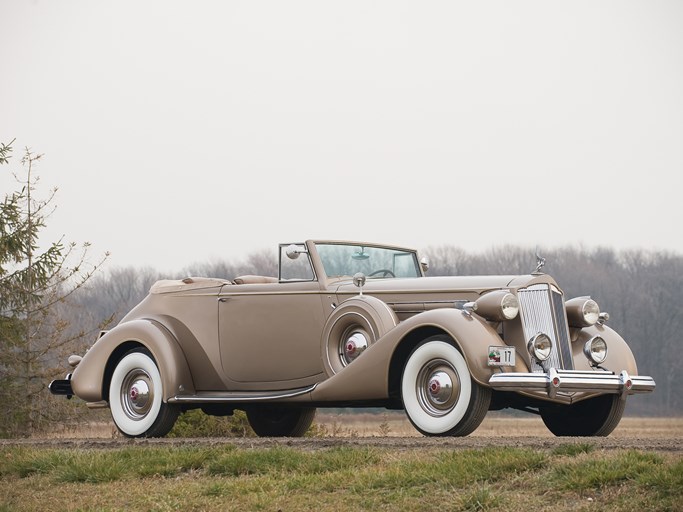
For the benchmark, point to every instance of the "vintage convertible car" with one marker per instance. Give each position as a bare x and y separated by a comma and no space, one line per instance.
355,324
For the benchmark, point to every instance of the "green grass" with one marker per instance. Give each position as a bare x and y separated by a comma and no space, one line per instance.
572,450
339,478
600,473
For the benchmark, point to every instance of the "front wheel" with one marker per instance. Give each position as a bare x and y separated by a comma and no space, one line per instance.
267,421
135,397
597,416
439,395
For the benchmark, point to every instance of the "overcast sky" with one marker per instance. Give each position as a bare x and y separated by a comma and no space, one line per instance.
180,132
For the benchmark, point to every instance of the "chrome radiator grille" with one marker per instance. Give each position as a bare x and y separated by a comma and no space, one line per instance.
542,310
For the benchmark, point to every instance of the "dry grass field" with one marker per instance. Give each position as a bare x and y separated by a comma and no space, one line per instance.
353,462
395,424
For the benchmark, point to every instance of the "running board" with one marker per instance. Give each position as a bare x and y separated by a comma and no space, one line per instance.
217,397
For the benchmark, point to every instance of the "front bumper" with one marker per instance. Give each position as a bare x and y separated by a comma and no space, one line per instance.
555,381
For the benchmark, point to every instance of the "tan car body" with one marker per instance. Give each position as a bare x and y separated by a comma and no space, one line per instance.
259,340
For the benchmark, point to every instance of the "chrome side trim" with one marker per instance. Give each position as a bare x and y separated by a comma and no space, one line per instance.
573,380
232,397
230,292
102,404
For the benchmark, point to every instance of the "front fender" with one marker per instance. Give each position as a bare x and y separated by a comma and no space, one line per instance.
619,355
367,378
88,379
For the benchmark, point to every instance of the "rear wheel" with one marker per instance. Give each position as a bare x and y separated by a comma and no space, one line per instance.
136,397
280,421
597,416
439,395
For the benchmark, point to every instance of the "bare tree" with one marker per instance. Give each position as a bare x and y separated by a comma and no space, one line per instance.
641,290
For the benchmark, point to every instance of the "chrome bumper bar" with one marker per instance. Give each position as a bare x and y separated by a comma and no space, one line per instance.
573,380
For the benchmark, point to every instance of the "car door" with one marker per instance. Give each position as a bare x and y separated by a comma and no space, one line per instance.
270,334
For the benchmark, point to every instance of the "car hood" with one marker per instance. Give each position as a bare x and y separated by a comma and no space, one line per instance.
439,288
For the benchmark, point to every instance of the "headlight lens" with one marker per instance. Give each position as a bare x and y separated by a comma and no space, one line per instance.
540,346
590,312
498,306
509,306
595,350
582,312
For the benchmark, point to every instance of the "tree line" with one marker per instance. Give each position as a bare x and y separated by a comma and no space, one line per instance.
54,301
641,290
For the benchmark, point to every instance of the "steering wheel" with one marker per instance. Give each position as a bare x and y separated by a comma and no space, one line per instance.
384,271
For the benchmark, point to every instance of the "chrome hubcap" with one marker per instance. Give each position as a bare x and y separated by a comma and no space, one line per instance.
438,387
137,394
352,346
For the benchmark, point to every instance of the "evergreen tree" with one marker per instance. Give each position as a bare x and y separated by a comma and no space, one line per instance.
35,284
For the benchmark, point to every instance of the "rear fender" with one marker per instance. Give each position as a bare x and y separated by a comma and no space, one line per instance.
369,376
90,380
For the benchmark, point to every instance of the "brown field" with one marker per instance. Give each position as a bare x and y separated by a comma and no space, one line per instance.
395,424
380,463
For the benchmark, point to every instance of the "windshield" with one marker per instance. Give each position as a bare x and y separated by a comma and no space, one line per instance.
374,262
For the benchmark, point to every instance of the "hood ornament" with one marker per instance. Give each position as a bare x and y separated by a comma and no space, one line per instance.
540,263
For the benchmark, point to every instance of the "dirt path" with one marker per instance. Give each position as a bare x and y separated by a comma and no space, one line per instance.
395,432
670,444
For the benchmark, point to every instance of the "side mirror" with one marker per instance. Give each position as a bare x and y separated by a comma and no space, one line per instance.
293,251
359,281
424,264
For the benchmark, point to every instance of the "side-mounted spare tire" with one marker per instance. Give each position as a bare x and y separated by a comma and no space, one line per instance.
353,326
136,397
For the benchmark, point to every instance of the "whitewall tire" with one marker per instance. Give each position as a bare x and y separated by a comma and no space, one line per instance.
439,396
136,397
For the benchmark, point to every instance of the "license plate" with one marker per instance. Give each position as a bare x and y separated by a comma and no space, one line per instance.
501,356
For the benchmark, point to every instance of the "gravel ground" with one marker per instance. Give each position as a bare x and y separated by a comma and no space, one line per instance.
664,444
652,434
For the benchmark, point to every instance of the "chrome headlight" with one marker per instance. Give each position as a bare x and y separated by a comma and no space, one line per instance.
509,306
595,350
582,312
540,346
498,306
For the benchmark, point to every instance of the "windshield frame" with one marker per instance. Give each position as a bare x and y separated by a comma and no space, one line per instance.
369,259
